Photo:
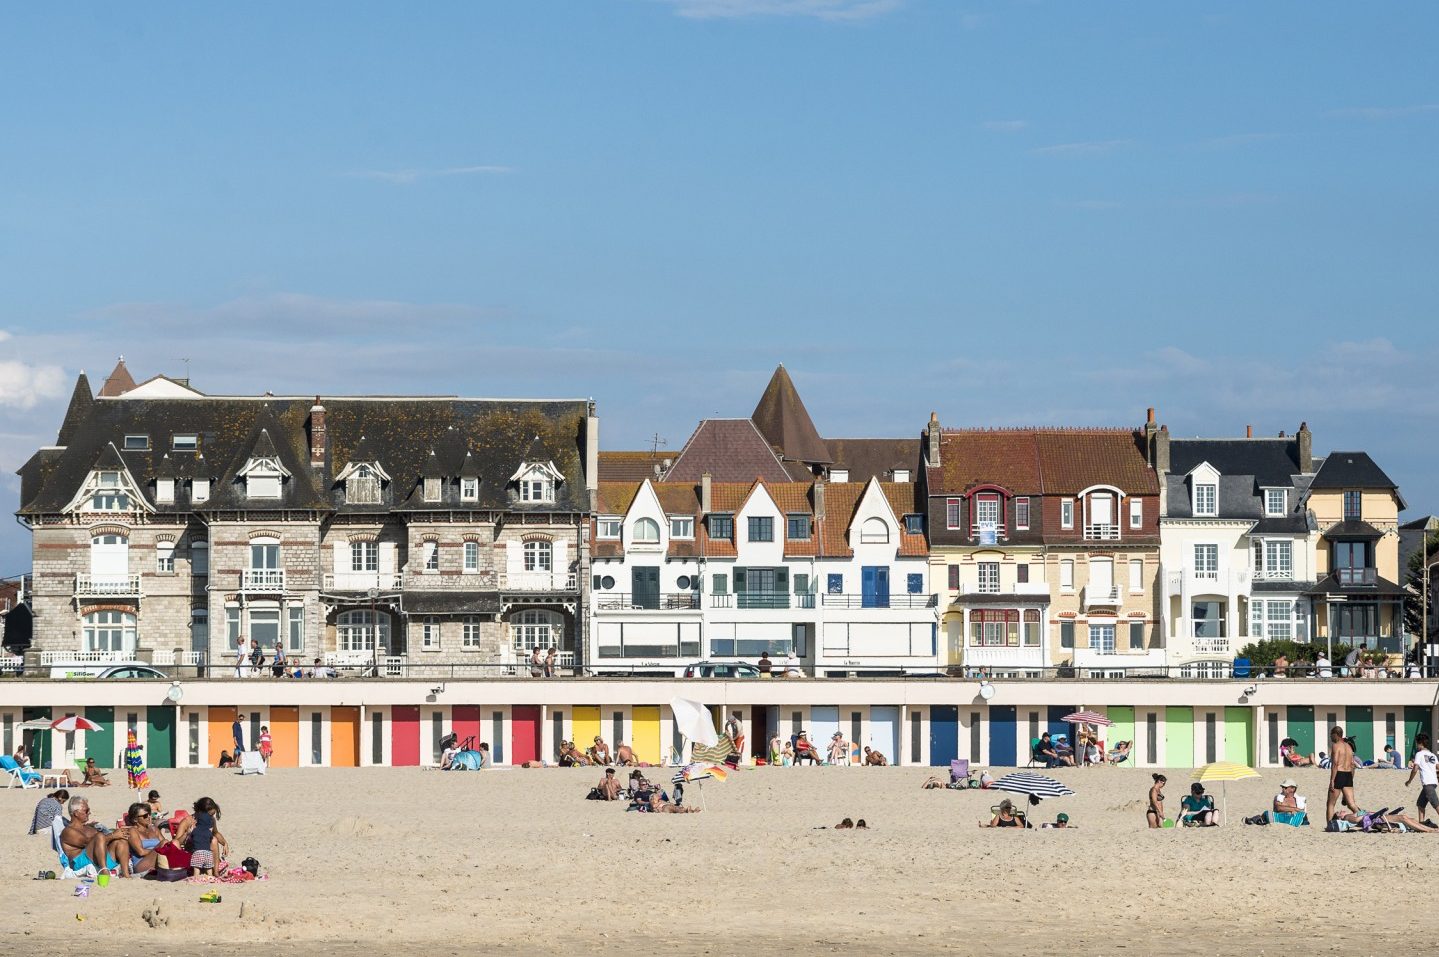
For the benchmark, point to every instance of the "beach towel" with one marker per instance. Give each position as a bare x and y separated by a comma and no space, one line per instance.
715,754
135,771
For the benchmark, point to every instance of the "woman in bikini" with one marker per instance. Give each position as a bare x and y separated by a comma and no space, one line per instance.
1005,816
1155,812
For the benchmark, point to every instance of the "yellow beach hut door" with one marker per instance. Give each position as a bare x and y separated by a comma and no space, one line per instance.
647,734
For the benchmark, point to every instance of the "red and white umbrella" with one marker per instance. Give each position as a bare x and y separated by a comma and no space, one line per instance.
74,722
1086,717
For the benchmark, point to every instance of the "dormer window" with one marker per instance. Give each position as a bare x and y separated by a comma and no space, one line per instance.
362,486
165,491
682,527
1206,500
797,527
469,489
646,532
1276,502
200,490
536,490
536,481
901,475
136,443
432,489
722,526
608,528
262,479
914,524
874,531
839,475
109,495
185,442
986,513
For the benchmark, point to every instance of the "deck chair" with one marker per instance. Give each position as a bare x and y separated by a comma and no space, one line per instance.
1035,762
18,777
958,770
57,827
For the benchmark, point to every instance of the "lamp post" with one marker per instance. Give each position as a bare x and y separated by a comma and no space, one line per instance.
374,594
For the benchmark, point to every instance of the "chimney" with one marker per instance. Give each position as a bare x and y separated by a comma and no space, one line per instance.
592,449
706,493
933,443
1161,449
1306,448
1249,431
1151,442
819,502
317,434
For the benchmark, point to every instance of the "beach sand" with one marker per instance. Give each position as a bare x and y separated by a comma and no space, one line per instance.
391,861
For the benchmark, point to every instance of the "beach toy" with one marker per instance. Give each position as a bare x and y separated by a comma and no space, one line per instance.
210,898
1168,822
82,890
103,880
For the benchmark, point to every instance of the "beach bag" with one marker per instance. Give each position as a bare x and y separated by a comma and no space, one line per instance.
168,874
595,795
251,865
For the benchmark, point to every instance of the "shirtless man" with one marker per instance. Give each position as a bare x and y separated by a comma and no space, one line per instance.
82,843
625,756
1341,774
609,785
874,758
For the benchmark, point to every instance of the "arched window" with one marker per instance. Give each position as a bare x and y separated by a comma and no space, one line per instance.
536,628
647,532
357,629
110,631
539,556
874,531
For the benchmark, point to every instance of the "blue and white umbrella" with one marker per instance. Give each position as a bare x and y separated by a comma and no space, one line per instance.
1035,785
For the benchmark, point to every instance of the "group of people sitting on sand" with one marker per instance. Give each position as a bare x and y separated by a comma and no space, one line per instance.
142,842
1007,815
643,794
597,755
839,752
89,776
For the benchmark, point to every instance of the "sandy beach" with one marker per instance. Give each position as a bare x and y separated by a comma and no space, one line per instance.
385,861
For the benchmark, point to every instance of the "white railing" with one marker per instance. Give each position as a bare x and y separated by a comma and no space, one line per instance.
11,664
166,657
109,586
262,579
1003,656
361,581
538,581
1101,596
1266,575
1101,533
84,657
1206,574
1211,646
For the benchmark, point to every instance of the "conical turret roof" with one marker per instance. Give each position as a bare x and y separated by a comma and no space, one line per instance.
785,423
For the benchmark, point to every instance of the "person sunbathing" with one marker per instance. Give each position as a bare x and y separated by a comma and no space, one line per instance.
804,751
134,845
659,806
625,755
1061,823
1397,821
82,842
94,776
932,783
1120,752
838,749
599,752
844,825
874,759
609,787
1289,753
1005,816
570,756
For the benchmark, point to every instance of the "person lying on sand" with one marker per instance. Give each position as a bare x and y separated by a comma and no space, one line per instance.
659,806
1061,823
874,759
1397,821
94,776
844,825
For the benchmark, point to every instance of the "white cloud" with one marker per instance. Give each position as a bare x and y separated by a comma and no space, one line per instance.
1084,148
405,177
818,9
1384,112
23,386
1006,126
4,335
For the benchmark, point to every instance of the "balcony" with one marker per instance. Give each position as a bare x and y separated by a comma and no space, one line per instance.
362,581
1356,576
1211,646
1019,588
1102,597
262,580
107,586
1101,533
538,581
878,601
628,601
762,599
993,658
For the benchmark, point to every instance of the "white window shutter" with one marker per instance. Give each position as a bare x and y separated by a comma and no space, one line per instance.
387,558
342,557
561,558
514,557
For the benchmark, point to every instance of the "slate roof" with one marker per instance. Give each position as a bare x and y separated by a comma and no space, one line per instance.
783,420
1350,470
1271,462
874,458
730,450
1382,588
1353,528
400,434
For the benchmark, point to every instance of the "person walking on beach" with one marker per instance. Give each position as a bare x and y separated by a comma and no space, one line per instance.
1154,814
1426,765
1341,774
267,746
237,731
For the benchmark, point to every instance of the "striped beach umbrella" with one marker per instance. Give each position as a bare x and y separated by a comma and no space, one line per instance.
1224,772
1035,785
74,722
1087,717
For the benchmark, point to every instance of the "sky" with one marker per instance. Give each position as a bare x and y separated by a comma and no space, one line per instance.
1011,213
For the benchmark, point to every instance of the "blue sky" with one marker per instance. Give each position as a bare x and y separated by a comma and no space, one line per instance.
1012,213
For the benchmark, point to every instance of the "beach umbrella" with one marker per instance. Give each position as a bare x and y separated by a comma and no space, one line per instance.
1087,717
1035,785
35,724
1224,772
135,771
693,720
74,722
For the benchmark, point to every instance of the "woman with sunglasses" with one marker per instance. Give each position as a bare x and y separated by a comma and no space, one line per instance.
134,844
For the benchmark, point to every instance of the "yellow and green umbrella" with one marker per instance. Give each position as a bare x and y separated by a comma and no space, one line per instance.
1224,772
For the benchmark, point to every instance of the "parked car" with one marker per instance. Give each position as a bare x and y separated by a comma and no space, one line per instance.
144,672
125,670
721,669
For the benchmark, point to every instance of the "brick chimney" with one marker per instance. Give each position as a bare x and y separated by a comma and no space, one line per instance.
1249,431
933,443
706,493
1306,448
318,440
1161,449
819,502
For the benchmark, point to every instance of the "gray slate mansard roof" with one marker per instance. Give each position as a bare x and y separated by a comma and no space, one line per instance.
1351,470
398,432
1246,467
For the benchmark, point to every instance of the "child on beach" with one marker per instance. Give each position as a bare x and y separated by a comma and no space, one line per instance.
202,830
266,746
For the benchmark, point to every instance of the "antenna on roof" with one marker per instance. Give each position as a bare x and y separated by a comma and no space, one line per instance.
186,360
657,443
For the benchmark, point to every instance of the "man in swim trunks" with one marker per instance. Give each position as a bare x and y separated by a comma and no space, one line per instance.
1341,774
82,842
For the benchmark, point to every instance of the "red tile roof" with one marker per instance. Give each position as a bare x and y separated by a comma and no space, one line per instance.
1042,461
629,466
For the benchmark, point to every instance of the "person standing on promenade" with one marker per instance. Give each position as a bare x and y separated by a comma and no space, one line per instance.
550,662
1341,774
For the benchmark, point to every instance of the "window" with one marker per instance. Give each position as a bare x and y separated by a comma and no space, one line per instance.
1208,618
431,489
184,442
954,577
431,551
761,528
1101,639
682,528
914,524
1353,506
1021,573
469,633
364,556
901,475
797,527
986,510
536,628
839,475
874,531
472,556
200,490
762,587
801,583
429,634
1031,627
539,556
1066,574
609,528
262,481
1066,634
1136,512
1021,513
951,513
358,629
721,526
363,487
1136,575
109,496
685,582
835,584
536,490
165,558
1206,561
914,583
112,631
719,584
1276,501
165,491
134,443
265,627
264,555
989,577
1066,513
1279,559
646,532
1205,499
199,629
469,489
993,627
232,624
1279,619
296,641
